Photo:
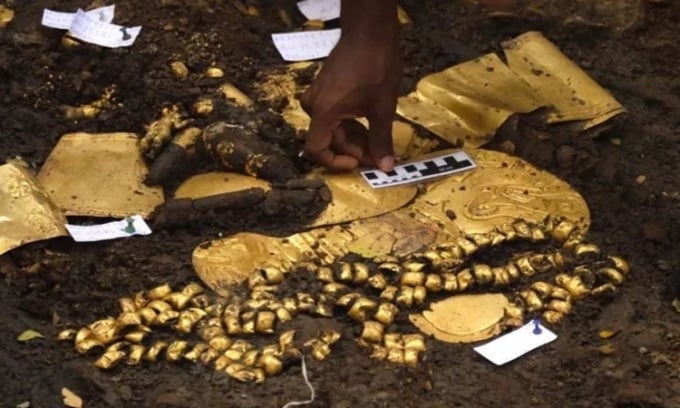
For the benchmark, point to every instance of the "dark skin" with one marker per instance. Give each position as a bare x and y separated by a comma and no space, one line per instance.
360,78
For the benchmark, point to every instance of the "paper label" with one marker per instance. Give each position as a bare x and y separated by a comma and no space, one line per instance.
306,45
128,227
63,20
418,171
320,9
517,343
96,32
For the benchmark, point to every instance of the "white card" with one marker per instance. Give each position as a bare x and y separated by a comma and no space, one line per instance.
63,20
517,343
110,230
306,45
96,32
320,9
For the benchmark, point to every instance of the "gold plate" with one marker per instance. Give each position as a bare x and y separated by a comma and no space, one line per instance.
468,102
26,212
99,175
215,183
502,188
354,199
463,318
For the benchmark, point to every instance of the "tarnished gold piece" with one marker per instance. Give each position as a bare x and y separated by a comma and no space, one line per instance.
463,318
160,131
92,109
203,106
6,16
99,175
234,95
27,214
470,101
179,69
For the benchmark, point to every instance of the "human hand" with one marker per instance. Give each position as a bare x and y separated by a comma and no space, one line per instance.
360,78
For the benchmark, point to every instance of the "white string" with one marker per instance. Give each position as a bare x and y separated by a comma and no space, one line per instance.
309,385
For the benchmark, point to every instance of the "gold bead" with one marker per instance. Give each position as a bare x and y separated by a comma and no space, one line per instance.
325,274
389,293
220,343
283,315
501,277
347,299
160,292
620,264
532,301
127,305
414,341
561,306
378,352
372,331
166,318
159,306
411,357
179,69
195,353
334,288
361,273
482,274
562,231
573,284
412,278
136,336
606,290
68,334
105,330
82,347
175,350
450,282
135,354
271,364
419,294
395,355
465,279
346,273
251,357
214,72
109,359
264,322
153,351
178,300
468,247
389,267
434,283
386,313
405,296
582,249
610,275
360,307
543,289
192,289
377,281
552,317
208,356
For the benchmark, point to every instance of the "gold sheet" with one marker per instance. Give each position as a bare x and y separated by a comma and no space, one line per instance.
99,175
26,212
467,103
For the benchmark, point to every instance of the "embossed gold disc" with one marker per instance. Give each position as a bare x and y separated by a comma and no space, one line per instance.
463,318
26,212
502,188
99,175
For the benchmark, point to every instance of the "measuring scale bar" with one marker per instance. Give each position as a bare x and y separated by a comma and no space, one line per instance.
417,171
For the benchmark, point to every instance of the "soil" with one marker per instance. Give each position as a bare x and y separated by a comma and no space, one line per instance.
50,285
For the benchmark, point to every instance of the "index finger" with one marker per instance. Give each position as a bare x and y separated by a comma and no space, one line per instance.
318,146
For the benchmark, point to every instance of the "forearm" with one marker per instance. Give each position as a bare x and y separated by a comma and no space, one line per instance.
370,20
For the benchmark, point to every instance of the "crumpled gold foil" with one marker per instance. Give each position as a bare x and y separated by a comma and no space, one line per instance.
99,175
26,212
463,318
470,101
502,189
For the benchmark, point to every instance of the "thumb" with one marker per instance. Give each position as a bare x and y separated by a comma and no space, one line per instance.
380,148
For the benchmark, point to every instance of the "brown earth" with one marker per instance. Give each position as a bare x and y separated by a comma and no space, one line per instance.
50,285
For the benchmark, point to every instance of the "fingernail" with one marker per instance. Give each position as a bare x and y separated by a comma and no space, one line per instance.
386,163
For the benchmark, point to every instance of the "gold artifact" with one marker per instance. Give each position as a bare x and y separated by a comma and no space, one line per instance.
500,190
468,102
99,175
179,69
6,16
92,109
214,72
236,96
27,213
461,318
203,106
161,130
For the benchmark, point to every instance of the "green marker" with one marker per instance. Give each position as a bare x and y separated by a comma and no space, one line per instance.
130,225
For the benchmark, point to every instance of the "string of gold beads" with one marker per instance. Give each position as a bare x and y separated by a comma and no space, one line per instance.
372,292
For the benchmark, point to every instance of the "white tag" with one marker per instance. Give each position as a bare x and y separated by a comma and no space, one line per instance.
517,343
96,32
320,9
418,171
128,227
63,21
306,45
